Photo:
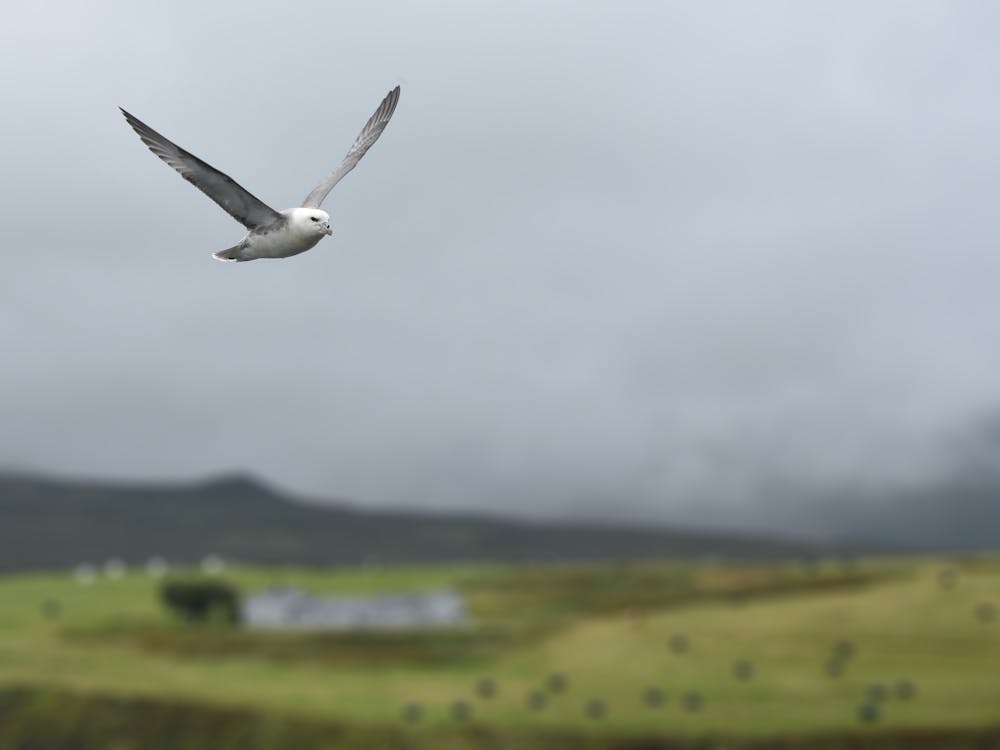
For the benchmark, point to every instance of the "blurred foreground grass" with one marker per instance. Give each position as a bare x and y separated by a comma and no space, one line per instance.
605,653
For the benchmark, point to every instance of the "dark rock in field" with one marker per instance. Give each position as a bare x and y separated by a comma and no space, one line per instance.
595,708
868,713
486,688
653,697
877,692
692,701
461,711
844,649
906,690
678,643
412,712
986,612
556,683
536,700
947,578
743,670
51,609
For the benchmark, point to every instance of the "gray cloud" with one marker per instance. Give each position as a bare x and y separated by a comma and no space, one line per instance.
635,261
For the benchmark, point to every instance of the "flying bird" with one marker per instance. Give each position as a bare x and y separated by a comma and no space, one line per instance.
273,234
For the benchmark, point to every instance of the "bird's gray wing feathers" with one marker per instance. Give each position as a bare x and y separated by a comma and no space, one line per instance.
372,130
249,211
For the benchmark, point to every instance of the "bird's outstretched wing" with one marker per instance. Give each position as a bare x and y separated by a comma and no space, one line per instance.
249,211
372,130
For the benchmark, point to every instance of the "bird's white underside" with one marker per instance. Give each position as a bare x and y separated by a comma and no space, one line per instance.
297,236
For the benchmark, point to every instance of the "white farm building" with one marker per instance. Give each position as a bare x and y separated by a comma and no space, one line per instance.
285,607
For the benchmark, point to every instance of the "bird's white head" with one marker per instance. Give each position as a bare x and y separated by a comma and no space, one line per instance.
311,221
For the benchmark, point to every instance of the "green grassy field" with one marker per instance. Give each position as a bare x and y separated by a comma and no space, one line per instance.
606,630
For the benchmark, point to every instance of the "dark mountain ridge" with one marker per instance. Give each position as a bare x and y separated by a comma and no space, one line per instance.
48,523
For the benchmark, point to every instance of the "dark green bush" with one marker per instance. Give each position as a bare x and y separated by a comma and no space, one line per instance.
201,600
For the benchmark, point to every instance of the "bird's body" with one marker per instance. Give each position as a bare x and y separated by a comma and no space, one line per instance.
298,230
272,234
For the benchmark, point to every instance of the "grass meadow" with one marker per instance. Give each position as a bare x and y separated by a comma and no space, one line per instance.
587,655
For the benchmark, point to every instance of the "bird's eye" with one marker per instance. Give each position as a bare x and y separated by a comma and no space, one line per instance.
314,218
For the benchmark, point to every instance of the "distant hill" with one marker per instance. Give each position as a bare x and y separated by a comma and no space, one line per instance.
959,512
46,523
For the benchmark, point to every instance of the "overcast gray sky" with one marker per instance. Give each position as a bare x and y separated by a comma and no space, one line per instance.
625,260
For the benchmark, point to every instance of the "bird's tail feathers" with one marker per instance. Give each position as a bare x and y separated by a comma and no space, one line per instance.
231,253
